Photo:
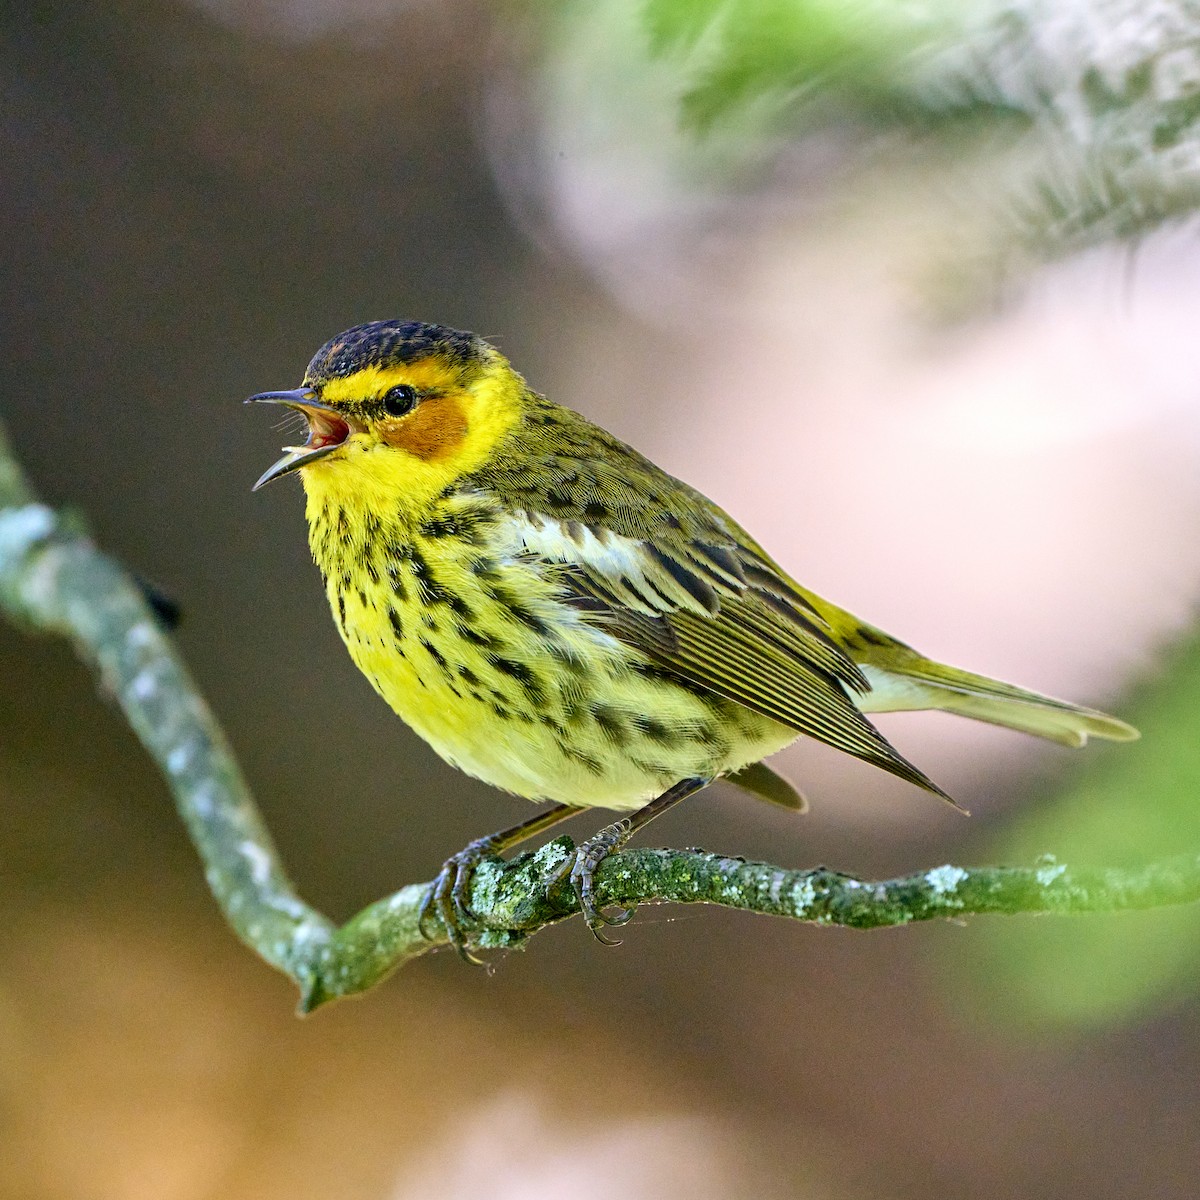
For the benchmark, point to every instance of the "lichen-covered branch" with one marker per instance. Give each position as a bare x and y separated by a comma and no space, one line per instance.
511,903
54,579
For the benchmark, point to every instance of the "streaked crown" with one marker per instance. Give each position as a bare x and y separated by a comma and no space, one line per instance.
393,343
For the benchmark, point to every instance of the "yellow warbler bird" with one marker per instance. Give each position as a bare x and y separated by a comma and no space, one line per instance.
556,615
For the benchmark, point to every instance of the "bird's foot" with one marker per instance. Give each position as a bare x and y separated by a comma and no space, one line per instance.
447,895
581,870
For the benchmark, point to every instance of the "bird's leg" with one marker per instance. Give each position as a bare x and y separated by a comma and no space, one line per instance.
590,854
447,895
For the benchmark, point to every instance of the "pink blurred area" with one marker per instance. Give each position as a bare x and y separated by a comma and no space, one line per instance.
1014,491
199,195
1018,496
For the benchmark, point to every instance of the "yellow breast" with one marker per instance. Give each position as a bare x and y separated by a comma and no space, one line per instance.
480,654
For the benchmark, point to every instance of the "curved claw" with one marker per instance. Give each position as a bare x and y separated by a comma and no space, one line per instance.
428,904
621,917
582,870
602,937
464,868
581,880
447,897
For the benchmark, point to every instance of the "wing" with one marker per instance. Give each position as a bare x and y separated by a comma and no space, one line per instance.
746,640
663,569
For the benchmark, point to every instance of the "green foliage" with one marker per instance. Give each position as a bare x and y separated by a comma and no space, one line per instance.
734,53
786,56
1108,95
1135,804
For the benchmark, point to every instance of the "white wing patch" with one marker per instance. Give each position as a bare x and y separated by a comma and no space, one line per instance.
626,566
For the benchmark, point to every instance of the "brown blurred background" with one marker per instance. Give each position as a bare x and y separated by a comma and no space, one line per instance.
195,196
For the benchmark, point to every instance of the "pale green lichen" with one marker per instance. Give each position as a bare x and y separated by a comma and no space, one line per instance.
944,880
23,528
803,895
144,684
552,855
486,883
258,860
1049,872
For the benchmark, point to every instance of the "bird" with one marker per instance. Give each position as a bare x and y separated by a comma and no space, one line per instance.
557,616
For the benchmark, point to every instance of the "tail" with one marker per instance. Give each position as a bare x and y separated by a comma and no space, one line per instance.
902,679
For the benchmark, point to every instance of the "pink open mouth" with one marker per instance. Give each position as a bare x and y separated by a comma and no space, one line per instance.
325,429
328,431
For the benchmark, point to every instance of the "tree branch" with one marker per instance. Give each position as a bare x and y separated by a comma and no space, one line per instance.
54,579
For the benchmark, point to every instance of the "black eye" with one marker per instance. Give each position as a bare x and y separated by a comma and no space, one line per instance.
399,400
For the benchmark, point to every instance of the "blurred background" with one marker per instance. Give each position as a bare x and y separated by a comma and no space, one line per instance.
911,290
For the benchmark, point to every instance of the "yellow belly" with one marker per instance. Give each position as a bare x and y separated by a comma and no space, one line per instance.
526,695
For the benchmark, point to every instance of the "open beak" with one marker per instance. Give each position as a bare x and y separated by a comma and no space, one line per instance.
327,430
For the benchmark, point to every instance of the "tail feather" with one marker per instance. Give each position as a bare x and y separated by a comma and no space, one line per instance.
768,784
913,682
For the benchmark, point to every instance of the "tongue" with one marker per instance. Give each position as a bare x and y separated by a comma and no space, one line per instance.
326,430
